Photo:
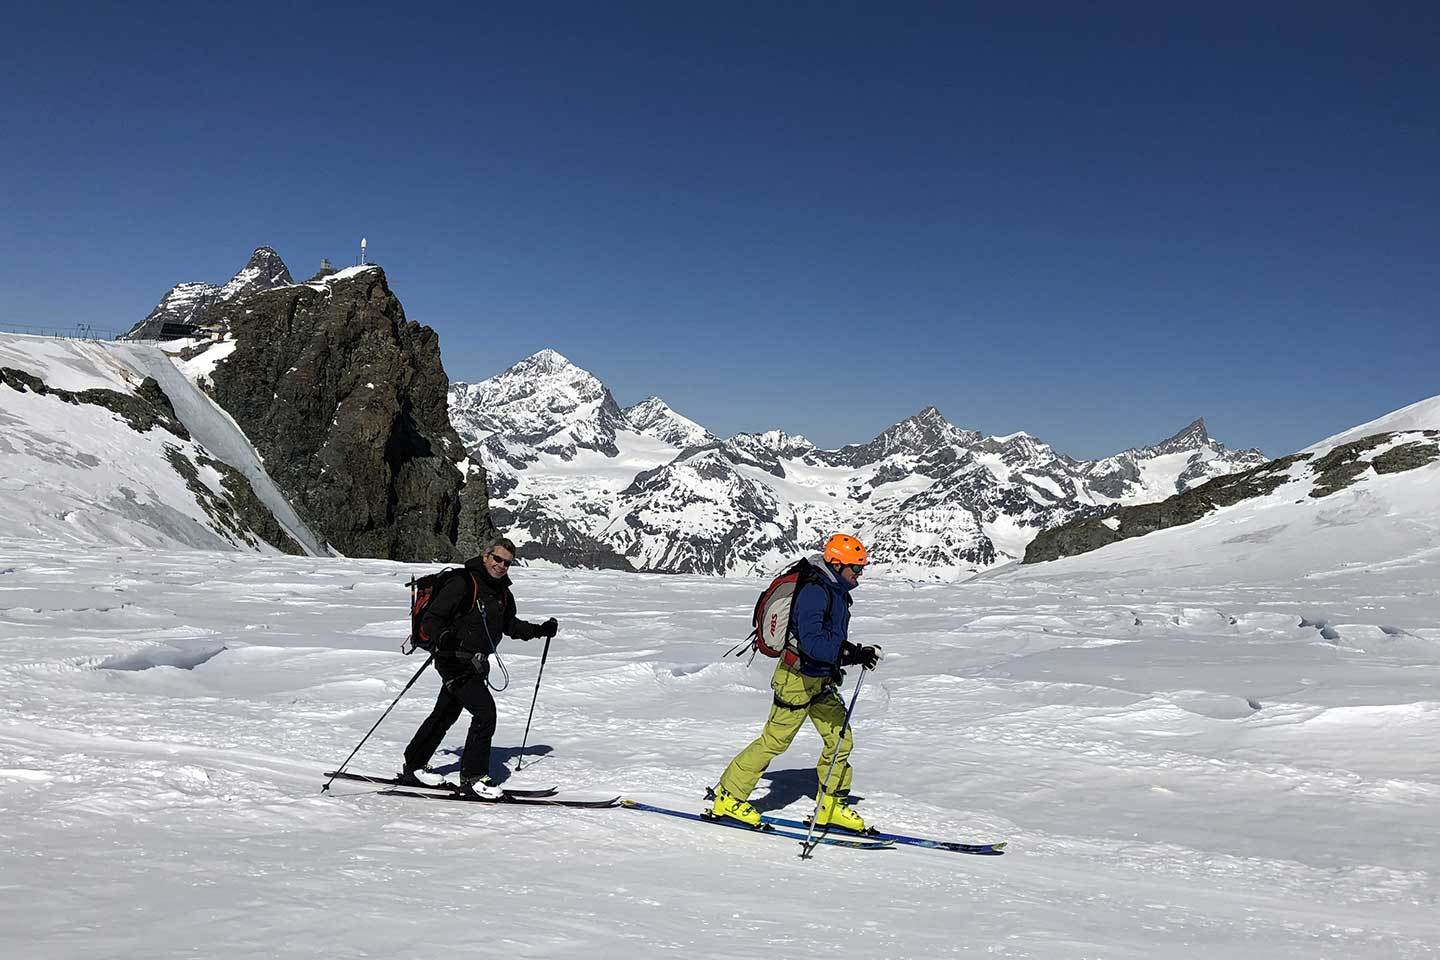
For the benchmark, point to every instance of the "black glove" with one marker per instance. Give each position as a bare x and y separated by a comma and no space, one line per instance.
548,628
852,655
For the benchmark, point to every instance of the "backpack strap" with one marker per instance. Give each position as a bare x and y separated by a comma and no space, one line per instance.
450,626
804,578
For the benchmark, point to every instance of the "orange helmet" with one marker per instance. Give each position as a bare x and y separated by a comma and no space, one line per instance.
843,548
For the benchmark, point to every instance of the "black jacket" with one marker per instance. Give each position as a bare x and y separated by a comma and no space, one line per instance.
471,613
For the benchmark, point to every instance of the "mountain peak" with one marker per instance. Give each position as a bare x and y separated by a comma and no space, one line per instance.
263,271
655,418
187,304
1193,437
546,361
922,433
544,402
927,428
264,256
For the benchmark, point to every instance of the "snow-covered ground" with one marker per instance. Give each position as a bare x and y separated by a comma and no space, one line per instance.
1181,767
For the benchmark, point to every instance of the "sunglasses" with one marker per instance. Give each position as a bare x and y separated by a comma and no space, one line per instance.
503,561
855,568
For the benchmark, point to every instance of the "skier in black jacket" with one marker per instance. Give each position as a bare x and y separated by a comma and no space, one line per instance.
469,614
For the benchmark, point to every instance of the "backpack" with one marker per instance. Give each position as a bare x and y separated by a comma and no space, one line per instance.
422,591
772,624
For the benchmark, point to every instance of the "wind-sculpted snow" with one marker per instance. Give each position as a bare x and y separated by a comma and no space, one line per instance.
1183,764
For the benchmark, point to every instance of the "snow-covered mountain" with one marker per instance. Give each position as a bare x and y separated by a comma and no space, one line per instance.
575,477
189,304
543,404
652,417
110,444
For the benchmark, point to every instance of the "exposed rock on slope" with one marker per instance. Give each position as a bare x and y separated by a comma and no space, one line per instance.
114,464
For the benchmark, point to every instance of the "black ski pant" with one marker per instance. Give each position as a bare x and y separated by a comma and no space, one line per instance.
466,691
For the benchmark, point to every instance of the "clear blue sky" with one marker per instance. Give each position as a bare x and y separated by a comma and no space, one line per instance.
1092,222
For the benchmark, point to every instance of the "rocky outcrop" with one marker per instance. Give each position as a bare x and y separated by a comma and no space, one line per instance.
189,305
345,400
235,507
143,410
476,523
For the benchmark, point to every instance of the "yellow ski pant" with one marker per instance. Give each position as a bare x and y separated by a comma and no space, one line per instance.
802,696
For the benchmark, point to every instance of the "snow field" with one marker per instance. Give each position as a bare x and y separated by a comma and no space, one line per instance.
1181,771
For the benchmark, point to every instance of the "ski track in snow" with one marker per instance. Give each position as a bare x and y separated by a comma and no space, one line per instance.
1180,771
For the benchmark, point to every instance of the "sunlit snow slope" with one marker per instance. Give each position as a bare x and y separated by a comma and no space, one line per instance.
79,473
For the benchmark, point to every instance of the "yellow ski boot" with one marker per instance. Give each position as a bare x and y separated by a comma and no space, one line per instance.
735,808
835,812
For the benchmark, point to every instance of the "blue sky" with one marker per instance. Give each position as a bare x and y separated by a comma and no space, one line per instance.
1092,222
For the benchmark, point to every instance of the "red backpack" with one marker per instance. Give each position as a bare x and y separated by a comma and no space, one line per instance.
773,624
422,591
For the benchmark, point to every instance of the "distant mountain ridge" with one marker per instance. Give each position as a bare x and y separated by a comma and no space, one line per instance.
581,481
1298,488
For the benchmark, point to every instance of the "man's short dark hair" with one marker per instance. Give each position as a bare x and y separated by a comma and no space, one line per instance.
499,541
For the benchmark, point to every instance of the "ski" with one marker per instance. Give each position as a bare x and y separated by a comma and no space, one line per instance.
397,782
507,798
978,849
769,830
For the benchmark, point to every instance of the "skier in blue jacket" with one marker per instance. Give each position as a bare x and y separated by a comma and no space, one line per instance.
804,684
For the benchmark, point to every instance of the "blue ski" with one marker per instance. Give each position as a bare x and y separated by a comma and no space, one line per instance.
979,849
854,843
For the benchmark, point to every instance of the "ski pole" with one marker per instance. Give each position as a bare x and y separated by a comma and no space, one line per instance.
806,847
341,768
520,760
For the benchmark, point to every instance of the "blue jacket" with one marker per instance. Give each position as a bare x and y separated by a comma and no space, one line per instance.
818,639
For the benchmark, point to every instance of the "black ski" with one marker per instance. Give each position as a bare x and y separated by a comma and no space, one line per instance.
450,787
507,798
